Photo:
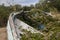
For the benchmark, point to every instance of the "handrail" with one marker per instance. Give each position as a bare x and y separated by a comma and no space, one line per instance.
11,27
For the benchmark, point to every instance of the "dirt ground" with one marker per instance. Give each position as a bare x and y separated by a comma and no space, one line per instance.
3,33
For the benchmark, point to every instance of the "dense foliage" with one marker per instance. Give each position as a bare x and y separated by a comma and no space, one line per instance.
31,36
35,17
43,5
5,12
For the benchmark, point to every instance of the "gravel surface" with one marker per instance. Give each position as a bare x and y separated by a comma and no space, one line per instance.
3,34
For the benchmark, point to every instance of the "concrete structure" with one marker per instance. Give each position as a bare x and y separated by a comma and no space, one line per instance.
13,27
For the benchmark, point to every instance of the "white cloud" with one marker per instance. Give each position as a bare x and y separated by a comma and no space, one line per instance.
3,1
22,2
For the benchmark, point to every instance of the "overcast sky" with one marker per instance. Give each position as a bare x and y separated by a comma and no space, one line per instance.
22,2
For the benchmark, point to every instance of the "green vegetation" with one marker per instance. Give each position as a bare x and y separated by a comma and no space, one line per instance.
31,36
42,6
5,12
55,36
35,17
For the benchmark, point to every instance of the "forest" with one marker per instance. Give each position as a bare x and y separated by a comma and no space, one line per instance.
46,6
